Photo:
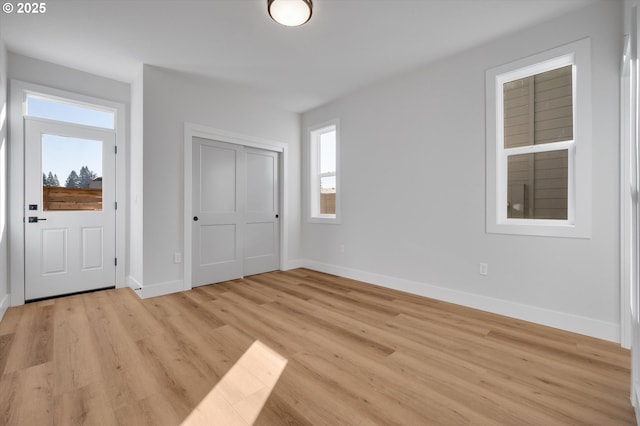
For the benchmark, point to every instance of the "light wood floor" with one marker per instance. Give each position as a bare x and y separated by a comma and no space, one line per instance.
352,353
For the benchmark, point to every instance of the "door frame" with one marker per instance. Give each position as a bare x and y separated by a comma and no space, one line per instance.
629,198
627,263
17,96
192,130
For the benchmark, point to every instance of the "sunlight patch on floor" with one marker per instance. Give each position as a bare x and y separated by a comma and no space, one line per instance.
239,396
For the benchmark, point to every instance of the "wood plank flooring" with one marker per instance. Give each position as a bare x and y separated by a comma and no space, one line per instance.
347,353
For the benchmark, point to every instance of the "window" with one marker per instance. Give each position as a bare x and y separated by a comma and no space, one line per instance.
69,112
539,144
71,173
324,179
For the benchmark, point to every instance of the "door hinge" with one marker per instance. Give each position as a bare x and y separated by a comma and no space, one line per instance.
116,205
116,261
116,149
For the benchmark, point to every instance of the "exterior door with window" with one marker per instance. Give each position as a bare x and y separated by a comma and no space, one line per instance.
69,218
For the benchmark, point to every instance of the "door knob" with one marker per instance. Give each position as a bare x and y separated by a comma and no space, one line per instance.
195,218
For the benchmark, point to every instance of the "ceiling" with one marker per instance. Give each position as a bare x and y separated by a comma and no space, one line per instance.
347,45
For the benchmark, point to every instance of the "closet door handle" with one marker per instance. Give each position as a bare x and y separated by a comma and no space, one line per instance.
195,218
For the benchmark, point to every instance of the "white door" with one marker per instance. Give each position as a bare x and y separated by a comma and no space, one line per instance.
69,217
217,212
261,241
235,211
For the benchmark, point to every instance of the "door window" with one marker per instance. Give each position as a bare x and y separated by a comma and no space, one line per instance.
71,173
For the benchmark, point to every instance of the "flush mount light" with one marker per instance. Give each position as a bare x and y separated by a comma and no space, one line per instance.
290,13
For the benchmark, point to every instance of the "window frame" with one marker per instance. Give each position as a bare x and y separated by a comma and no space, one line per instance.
72,103
315,175
578,222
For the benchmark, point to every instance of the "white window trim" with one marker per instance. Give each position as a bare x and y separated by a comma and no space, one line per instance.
314,176
578,223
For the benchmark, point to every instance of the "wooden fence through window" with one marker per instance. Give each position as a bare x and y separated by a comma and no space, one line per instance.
328,203
61,198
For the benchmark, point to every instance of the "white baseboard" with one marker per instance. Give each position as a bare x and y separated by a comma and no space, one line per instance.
564,321
145,291
133,283
4,305
293,264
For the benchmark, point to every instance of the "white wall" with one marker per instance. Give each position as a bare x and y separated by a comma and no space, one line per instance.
413,189
170,100
4,270
35,71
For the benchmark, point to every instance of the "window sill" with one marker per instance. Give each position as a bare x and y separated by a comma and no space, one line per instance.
539,228
328,219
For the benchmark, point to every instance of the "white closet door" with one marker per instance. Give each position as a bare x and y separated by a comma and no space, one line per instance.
262,242
235,211
218,211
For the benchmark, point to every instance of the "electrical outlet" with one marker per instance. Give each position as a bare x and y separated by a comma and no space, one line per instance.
177,257
484,268
341,248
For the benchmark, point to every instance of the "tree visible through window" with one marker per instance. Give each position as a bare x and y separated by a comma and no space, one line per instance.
82,187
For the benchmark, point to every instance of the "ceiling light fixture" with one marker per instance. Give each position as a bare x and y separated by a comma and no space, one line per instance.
290,13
